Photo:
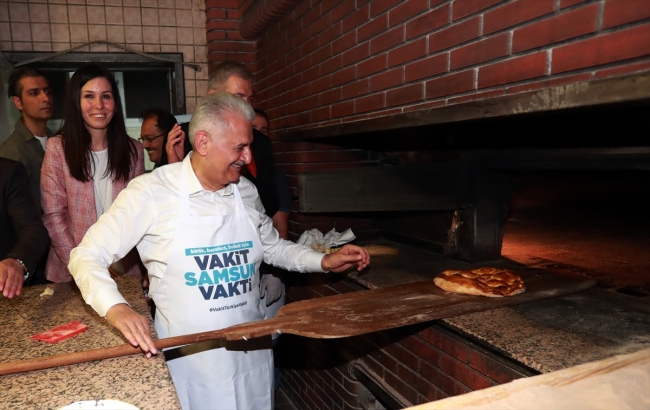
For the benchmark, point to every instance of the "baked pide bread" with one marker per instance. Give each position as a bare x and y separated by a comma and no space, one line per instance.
490,282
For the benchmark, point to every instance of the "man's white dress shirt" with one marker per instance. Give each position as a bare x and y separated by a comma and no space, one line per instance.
145,215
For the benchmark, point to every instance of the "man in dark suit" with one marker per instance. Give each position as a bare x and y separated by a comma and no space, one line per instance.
24,239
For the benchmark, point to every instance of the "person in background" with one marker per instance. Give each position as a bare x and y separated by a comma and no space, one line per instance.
188,219
234,78
86,166
163,138
272,284
282,187
24,239
30,92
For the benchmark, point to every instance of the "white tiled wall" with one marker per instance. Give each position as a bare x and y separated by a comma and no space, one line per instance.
142,25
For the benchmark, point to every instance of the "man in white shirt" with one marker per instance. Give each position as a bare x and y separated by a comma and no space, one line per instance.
202,233
30,92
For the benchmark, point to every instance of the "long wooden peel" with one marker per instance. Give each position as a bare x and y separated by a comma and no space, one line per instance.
344,315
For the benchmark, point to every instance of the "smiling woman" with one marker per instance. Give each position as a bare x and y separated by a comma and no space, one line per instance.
86,166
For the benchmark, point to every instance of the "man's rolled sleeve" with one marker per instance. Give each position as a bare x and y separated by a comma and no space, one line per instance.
115,233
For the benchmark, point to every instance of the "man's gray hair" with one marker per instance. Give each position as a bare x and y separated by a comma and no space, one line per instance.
223,71
212,113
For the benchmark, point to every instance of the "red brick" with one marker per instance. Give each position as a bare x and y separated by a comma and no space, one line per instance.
618,12
309,156
310,16
491,368
356,53
513,70
310,74
476,96
330,34
455,34
407,52
557,28
406,10
608,48
330,96
386,80
404,95
215,35
222,25
343,76
355,19
215,14
234,35
355,89
222,4
309,46
369,103
448,85
426,68
224,46
343,43
424,106
342,10
515,13
413,379
568,3
330,65
463,373
484,50
380,6
320,25
428,22
421,349
402,388
372,65
234,14
550,83
372,28
321,54
439,379
342,109
464,8
403,356
446,343
627,68
387,40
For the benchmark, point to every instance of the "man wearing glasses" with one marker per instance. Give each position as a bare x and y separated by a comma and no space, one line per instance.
163,138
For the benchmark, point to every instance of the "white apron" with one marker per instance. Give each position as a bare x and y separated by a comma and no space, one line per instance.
212,282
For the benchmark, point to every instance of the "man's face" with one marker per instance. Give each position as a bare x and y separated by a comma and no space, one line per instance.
152,140
238,87
35,102
230,150
261,124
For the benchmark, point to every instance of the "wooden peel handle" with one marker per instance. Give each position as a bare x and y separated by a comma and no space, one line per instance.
246,330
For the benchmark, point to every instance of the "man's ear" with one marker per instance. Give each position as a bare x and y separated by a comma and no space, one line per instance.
17,102
201,142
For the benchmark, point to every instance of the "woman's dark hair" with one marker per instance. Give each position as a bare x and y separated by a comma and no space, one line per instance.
165,121
76,138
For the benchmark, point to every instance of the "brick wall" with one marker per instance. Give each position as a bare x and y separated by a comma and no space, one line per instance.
420,363
335,61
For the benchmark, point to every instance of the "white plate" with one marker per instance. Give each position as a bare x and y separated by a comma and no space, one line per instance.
99,404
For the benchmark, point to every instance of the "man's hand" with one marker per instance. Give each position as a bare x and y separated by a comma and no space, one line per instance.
175,144
270,288
133,326
346,257
12,276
